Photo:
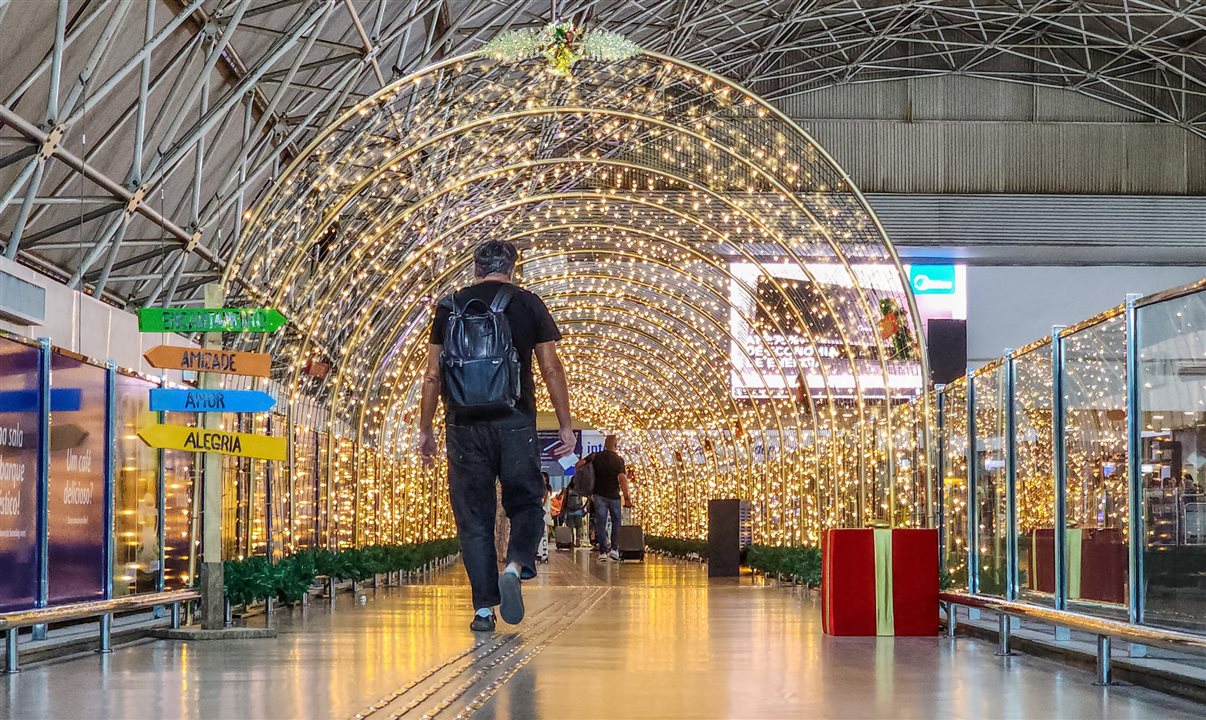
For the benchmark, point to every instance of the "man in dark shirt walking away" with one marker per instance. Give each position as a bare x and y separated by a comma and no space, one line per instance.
484,445
611,488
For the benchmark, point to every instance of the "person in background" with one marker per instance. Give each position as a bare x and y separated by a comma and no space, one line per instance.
542,553
500,444
573,507
611,490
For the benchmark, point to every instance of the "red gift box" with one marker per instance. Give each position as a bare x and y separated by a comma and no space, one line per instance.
879,582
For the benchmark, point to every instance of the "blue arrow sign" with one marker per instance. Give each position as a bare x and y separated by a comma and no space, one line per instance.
245,401
61,400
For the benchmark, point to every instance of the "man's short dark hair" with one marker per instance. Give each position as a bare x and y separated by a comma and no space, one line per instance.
494,256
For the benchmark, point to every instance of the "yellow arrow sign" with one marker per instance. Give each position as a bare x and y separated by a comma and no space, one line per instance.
178,437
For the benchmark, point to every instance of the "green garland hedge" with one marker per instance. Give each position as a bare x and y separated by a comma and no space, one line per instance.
254,578
802,564
677,547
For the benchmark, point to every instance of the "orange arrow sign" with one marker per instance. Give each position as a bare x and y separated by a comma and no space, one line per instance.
227,362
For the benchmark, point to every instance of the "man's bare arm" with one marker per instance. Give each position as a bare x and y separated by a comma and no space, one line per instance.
623,477
553,373
430,399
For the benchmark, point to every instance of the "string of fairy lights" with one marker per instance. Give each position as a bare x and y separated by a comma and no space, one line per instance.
681,231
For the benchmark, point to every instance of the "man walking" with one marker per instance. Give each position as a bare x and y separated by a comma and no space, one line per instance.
479,358
611,488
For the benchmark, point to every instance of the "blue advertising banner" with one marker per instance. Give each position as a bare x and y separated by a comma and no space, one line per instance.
18,480
77,537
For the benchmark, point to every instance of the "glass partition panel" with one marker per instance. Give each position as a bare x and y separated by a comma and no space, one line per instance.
1096,463
326,536
20,425
954,483
277,473
1172,402
343,516
304,486
367,496
991,480
180,471
1034,455
76,532
136,492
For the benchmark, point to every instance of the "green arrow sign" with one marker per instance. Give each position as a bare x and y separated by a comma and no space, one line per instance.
187,320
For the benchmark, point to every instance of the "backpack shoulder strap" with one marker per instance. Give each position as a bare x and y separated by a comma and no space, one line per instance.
448,302
503,298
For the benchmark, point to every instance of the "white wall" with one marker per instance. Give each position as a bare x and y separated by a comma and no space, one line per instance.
83,324
1008,307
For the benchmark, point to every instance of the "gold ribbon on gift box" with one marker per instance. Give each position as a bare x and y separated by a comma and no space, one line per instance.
885,624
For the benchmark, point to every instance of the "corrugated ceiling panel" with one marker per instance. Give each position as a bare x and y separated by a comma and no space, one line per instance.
967,98
871,101
1053,104
1155,159
1038,219
991,157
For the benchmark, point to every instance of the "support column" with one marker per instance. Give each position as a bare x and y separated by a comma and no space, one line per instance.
1137,539
212,608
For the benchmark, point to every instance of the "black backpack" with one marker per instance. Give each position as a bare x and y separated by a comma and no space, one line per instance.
573,502
584,477
479,366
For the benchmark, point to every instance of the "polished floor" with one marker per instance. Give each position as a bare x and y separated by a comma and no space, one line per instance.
652,640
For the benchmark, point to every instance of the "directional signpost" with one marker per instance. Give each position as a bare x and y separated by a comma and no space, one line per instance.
241,401
227,362
210,399
190,439
189,320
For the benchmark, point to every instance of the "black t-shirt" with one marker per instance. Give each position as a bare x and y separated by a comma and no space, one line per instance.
608,467
530,323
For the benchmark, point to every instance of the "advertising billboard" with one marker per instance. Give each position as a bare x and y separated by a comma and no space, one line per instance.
76,509
19,368
785,338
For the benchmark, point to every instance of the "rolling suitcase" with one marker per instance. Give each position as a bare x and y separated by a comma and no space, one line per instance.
564,536
631,543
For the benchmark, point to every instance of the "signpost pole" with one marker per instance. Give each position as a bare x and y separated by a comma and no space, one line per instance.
213,615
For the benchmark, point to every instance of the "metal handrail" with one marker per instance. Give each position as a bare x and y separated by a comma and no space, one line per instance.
1103,628
93,608
11,622
1171,293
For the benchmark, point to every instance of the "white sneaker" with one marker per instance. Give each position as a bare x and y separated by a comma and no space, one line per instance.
614,555
602,557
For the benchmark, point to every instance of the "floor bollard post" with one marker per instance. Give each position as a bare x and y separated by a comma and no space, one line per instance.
175,616
11,665
952,619
1105,673
331,589
228,611
269,605
106,633
1003,632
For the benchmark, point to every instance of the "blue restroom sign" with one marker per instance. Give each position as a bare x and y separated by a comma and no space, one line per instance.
932,279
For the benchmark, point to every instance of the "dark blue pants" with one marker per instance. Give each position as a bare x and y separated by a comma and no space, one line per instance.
606,507
479,453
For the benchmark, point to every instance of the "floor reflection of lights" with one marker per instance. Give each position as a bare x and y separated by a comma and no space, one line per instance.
662,641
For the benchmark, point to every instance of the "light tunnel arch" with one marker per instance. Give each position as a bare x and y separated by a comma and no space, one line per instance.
789,402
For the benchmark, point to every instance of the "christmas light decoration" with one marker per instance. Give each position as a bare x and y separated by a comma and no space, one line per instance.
720,283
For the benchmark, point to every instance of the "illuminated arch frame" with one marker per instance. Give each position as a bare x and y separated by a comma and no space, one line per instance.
849,187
